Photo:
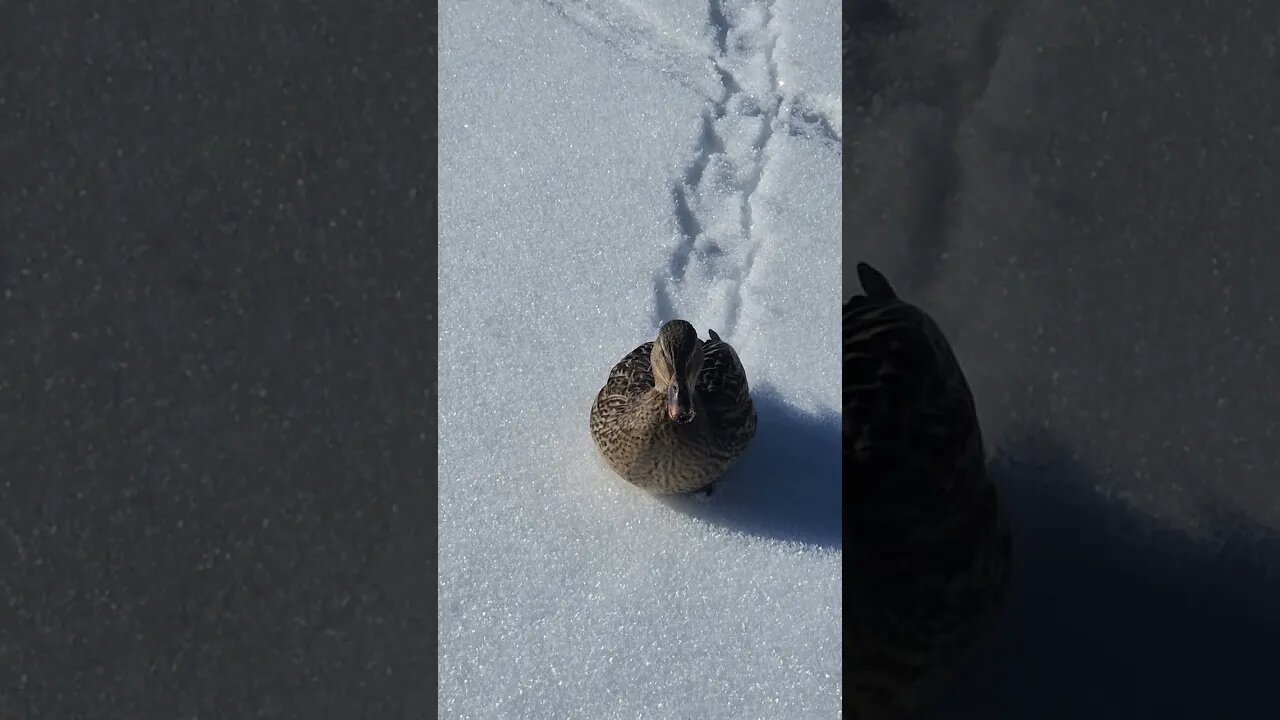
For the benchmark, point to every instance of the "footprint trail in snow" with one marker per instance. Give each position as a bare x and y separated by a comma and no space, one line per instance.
708,279
747,185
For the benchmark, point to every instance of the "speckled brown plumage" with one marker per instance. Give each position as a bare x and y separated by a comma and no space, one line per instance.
635,435
929,539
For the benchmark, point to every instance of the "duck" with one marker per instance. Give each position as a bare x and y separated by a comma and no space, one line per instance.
675,413
929,534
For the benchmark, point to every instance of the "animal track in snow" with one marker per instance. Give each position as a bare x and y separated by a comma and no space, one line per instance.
713,197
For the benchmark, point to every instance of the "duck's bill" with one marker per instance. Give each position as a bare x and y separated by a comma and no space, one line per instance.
679,404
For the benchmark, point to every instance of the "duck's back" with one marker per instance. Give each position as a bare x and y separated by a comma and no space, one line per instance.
929,540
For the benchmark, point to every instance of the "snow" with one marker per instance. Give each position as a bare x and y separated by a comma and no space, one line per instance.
606,166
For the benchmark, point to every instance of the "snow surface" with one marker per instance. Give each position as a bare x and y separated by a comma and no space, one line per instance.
606,166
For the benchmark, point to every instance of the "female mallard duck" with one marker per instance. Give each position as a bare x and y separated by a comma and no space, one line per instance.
675,413
931,545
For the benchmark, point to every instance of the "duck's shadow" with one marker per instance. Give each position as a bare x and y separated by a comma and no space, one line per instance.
786,485
1112,614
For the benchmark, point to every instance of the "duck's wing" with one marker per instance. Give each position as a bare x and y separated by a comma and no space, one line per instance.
909,416
632,376
723,386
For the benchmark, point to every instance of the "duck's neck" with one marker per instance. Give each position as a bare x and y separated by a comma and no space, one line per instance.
648,415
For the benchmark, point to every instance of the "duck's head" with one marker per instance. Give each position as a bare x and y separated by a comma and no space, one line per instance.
676,360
